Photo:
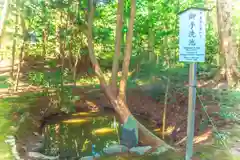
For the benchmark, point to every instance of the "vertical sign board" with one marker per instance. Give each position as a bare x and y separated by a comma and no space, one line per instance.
192,49
192,36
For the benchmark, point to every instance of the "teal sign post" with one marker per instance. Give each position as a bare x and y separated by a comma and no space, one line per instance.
192,50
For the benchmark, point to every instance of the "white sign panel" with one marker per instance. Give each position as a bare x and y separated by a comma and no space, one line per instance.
192,36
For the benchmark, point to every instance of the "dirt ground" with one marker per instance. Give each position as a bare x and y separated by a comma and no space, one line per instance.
148,108
140,104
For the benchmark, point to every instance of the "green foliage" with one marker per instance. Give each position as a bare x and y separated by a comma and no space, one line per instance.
158,16
61,96
229,101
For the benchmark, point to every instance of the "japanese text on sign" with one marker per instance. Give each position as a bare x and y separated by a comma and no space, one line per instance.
192,36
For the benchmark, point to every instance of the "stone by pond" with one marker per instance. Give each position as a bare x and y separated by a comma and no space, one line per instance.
141,150
129,133
113,149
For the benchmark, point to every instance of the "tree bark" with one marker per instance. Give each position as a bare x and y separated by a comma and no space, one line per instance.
3,17
128,53
118,40
224,9
219,23
150,33
14,44
119,105
122,111
44,41
21,55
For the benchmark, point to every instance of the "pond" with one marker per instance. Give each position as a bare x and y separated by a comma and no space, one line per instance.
80,136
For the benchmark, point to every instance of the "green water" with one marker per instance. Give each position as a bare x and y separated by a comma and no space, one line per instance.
74,140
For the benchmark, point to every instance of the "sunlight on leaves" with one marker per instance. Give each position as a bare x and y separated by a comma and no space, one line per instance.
79,121
103,131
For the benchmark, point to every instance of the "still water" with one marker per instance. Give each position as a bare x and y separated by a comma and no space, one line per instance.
80,136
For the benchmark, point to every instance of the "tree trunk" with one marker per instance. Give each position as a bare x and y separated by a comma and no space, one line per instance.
75,71
3,16
122,110
220,60
165,109
119,105
14,45
151,44
22,53
62,53
150,33
44,41
128,53
118,39
19,66
224,8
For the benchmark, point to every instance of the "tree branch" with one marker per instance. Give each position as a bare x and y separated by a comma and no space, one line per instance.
118,40
128,51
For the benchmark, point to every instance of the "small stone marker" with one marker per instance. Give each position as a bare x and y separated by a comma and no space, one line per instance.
113,149
129,133
140,150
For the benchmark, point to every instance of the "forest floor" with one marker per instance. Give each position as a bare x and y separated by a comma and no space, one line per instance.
145,100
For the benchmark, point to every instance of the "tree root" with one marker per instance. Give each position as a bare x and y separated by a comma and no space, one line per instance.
148,138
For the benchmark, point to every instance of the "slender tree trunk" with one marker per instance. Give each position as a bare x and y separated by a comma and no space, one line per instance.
75,71
151,45
128,53
150,33
14,45
122,111
119,105
165,109
238,46
21,55
44,41
118,39
3,17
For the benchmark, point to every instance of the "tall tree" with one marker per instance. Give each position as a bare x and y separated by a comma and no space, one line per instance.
227,49
150,32
119,103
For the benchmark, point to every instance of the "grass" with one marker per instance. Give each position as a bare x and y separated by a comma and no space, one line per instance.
5,124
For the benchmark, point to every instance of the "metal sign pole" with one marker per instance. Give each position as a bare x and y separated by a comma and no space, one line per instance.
191,109
192,50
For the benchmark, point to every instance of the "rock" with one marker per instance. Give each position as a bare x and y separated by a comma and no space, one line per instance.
37,155
87,158
141,150
129,133
12,142
113,149
160,150
37,147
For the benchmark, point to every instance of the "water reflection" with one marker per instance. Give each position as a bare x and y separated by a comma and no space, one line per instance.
86,135
78,137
